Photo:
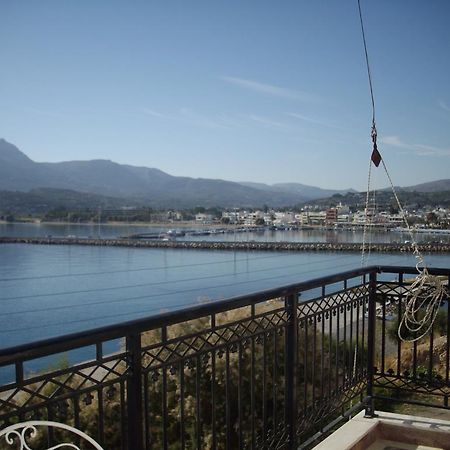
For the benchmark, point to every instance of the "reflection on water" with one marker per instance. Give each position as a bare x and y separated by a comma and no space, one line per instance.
52,290
49,291
230,234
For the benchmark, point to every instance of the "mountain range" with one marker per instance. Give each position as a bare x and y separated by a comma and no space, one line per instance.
107,182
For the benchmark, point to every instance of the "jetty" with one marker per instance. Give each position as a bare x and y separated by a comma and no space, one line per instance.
223,245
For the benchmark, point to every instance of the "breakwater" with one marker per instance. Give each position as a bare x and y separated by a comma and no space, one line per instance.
220,245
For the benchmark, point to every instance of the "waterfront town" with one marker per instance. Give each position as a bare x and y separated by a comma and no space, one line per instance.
339,216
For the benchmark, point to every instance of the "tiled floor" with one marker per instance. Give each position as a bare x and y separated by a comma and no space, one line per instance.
390,431
383,444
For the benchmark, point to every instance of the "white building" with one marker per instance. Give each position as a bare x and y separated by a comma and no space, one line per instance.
204,218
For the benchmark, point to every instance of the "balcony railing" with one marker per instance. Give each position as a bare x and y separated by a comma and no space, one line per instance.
269,370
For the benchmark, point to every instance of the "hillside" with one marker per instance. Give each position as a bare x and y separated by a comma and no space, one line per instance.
38,201
109,184
432,186
140,184
309,192
385,199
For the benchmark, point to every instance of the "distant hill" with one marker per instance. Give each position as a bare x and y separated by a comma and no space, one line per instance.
432,186
105,182
140,184
308,192
38,201
411,200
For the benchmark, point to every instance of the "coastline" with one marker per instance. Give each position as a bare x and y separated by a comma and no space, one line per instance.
199,225
223,245
183,224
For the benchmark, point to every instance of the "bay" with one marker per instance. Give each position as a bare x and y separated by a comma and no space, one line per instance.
49,291
230,234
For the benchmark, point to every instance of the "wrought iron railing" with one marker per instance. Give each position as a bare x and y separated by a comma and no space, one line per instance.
268,370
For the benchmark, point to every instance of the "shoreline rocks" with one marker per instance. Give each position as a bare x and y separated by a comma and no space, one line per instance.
221,245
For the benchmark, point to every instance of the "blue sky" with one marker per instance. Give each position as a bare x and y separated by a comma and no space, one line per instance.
245,91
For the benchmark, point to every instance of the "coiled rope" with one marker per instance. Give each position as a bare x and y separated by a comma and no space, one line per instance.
424,296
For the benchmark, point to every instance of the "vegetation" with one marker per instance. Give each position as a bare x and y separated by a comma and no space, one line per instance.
385,200
40,201
440,327
414,365
242,374
67,205
8,217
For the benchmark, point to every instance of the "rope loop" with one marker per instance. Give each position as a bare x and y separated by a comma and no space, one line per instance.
422,306
426,292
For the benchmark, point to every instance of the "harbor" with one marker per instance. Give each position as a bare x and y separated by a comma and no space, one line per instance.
386,247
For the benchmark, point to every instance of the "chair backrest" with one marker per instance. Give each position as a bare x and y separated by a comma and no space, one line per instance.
22,433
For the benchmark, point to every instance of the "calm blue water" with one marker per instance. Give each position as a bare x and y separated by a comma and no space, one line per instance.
52,290
314,235
81,230
49,291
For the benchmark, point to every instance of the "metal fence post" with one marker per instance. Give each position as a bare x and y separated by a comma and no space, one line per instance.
370,411
134,393
290,364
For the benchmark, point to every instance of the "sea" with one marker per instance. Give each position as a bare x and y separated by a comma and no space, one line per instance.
49,291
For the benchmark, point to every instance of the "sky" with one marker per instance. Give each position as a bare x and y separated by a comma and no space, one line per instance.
253,90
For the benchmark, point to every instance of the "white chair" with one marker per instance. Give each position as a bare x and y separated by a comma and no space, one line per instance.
21,433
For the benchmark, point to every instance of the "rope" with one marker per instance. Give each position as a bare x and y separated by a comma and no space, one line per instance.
367,64
427,291
363,251
374,141
355,355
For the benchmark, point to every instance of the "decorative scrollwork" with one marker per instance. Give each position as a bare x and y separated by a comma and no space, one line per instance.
21,433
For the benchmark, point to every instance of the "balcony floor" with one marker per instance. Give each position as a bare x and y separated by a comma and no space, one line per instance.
390,431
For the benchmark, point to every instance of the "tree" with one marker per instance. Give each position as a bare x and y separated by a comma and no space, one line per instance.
214,211
432,217
393,209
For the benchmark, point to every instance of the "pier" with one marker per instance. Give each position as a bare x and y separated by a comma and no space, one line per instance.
220,245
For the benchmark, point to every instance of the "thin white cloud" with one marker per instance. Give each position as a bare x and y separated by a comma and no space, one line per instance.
313,121
266,121
269,89
418,149
429,150
153,113
189,116
304,140
394,141
444,105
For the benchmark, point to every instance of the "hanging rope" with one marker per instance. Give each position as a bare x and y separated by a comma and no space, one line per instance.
366,220
374,130
376,157
424,296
